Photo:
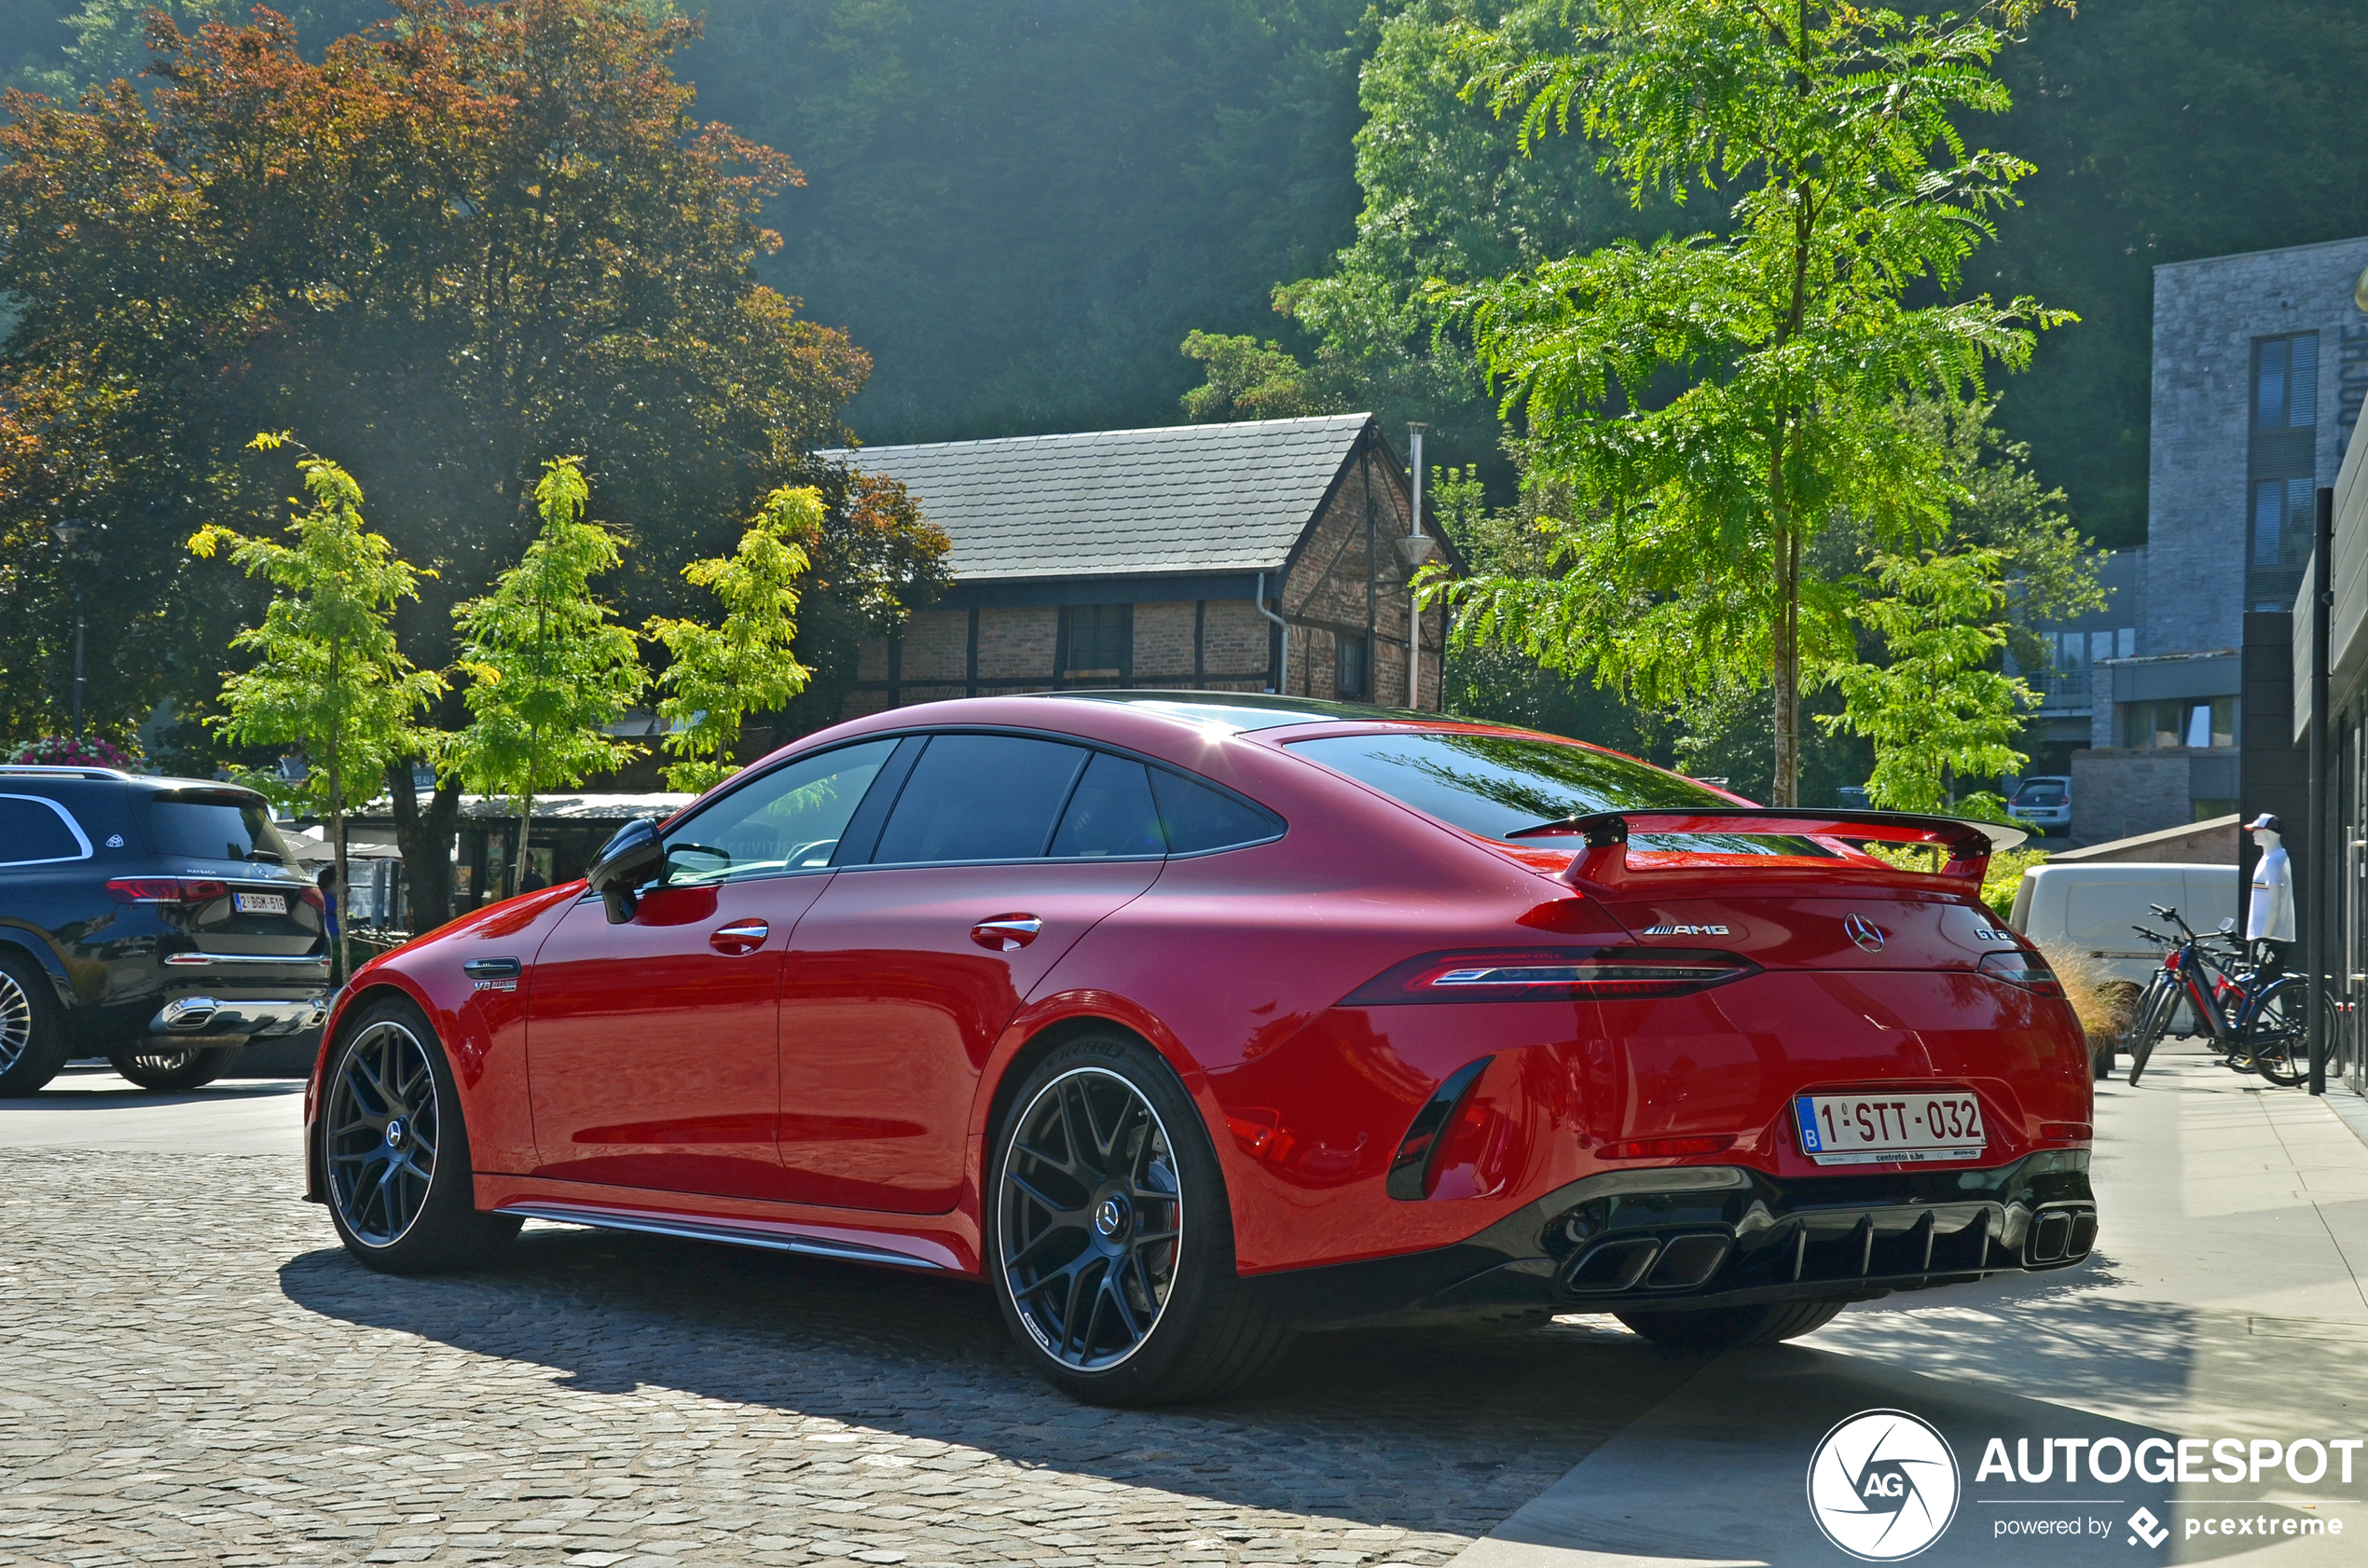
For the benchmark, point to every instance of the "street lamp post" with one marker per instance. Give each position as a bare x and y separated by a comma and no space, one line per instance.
1414,549
71,532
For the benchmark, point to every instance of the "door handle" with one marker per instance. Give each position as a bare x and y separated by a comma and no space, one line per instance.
1005,932
739,938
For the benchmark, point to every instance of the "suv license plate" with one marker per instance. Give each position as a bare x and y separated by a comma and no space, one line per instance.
261,903
1910,1128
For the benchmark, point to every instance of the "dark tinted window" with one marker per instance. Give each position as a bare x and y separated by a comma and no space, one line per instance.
216,830
1494,784
1198,817
32,829
1111,813
980,797
788,820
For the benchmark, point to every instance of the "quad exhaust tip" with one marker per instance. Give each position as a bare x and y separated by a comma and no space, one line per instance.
1655,1263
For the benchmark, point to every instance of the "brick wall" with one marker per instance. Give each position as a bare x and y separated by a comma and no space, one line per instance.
2207,314
2117,791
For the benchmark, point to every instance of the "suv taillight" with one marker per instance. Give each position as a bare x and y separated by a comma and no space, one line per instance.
1549,974
165,889
2026,970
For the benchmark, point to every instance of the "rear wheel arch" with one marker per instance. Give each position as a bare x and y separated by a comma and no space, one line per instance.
31,948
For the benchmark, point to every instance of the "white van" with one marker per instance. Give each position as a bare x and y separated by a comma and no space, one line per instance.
2090,909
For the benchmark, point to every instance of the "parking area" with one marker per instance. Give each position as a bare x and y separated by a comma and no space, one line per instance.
194,1374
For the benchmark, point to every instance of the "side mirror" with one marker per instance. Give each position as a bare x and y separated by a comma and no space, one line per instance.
627,861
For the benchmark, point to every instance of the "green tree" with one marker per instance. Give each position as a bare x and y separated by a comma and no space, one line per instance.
447,247
722,674
327,675
1935,708
549,667
1711,401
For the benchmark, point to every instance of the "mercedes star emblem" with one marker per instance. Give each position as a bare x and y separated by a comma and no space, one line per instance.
1865,932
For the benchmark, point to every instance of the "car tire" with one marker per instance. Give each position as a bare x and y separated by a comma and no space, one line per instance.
395,1149
1101,1175
190,1068
1729,1327
32,1035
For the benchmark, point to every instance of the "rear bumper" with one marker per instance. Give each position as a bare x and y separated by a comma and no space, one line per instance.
1721,1235
207,1020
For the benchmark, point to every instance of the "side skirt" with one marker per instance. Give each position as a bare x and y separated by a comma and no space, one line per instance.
767,1237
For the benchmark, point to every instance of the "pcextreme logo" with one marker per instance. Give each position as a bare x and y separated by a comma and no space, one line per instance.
1883,1485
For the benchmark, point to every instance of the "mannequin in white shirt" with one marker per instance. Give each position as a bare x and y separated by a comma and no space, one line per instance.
2269,917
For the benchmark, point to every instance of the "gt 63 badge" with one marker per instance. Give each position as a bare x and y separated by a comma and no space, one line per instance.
1883,1485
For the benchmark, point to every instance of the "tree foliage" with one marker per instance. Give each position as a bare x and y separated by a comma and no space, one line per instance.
327,675
1790,339
722,673
447,247
549,669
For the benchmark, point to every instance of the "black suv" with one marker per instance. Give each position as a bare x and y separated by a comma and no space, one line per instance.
162,922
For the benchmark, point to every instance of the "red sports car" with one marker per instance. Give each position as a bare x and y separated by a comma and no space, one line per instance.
1189,1020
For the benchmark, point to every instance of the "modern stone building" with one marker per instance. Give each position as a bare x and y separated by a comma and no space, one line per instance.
2260,372
1257,556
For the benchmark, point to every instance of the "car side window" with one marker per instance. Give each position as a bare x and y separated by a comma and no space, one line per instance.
1197,818
788,820
980,797
1110,813
36,831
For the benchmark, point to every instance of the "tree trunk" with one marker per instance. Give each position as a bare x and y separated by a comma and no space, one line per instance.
526,814
425,838
1785,790
340,964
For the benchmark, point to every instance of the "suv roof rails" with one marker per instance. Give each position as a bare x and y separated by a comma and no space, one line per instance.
53,770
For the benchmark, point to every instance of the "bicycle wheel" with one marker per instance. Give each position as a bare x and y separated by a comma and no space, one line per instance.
2160,1003
2276,1038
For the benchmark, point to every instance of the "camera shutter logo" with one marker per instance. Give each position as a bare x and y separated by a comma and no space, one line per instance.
1883,1485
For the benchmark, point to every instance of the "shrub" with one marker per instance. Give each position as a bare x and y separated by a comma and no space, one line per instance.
65,750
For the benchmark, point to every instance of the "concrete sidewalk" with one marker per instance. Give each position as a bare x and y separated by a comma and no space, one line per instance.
2225,1300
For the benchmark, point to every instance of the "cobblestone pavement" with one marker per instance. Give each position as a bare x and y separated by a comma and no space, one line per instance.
194,1374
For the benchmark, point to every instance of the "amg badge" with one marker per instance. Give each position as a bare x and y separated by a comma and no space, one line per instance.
1685,931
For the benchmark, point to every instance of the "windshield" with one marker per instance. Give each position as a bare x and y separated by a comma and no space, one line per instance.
2040,794
1493,784
216,830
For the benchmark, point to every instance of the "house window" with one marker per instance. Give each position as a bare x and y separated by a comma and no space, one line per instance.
1353,667
2198,722
1097,637
2282,465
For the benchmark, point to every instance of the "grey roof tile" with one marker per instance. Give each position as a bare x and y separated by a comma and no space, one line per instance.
1175,499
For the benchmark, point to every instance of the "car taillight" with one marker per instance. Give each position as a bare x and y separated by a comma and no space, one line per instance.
311,896
2068,1131
2026,970
165,889
1548,974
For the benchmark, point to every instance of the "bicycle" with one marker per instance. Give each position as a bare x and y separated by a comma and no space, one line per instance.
2255,1027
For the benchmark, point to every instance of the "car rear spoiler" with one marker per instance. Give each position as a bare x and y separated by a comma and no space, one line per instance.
1603,863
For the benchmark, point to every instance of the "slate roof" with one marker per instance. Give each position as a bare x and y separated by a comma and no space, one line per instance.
1124,502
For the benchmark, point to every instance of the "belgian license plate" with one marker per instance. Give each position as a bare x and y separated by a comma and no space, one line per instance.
261,903
1910,1128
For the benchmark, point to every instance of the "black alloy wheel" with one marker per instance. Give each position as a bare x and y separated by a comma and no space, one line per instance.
1090,1218
33,1045
395,1151
1108,1241
381,1132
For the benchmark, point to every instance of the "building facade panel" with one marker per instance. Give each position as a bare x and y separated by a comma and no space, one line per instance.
2260,368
